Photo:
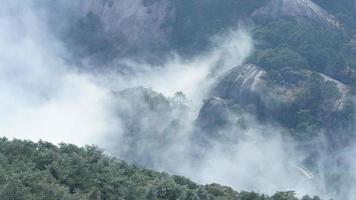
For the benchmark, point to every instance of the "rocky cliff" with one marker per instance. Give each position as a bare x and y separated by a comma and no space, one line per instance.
306,98
130,24
296,8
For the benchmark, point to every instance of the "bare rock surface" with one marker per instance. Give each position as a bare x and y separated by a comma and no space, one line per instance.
248,85
134,23
296,8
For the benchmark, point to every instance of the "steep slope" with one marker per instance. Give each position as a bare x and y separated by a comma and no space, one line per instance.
302,100
149,121
296,8
344,10
213,115
107,29
149,29
43,171
130,24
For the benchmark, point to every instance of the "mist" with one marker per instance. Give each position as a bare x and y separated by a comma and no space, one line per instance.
45,97
42,97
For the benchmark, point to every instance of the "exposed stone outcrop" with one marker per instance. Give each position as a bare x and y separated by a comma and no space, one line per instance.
296,8
306,94
130,24
214,115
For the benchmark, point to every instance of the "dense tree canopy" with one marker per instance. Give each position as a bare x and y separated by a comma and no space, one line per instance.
42,170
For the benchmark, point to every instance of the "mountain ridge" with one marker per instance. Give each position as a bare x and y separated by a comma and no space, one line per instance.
297,8
43,171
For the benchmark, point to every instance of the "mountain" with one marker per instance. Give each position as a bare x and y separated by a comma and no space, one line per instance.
297,9
299,80
343,10
128,25
151,30
142,29
43,171
139,111
213,115
304,101
301,76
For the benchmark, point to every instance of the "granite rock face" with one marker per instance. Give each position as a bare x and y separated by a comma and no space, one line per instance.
130,24
242,84
296,8
214,115
305,96
150,29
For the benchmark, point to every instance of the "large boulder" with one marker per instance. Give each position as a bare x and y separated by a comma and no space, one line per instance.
303,101
214,115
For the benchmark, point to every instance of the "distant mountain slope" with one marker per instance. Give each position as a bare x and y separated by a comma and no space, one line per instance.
344,10
42,171
130,25
149,29
297,8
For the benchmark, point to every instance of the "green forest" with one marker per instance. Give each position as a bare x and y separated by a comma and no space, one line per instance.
43,171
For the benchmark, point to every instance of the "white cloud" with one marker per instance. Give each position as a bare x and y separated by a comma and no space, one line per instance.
41,98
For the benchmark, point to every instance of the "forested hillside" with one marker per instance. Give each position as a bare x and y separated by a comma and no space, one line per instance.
43,171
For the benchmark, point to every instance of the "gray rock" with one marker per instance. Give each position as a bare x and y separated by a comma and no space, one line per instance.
130,24
318,95
297,9
246,82
214,115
